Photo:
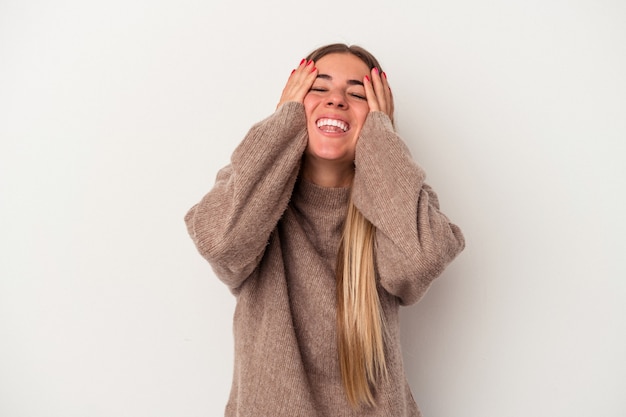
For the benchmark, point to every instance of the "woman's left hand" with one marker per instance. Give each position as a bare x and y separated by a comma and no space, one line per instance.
378,93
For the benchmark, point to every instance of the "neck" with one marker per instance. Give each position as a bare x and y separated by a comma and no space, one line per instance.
331,174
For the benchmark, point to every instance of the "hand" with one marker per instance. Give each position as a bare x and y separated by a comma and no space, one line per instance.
299,83
378,93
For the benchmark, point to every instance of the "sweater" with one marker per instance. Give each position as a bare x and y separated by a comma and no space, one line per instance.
272,238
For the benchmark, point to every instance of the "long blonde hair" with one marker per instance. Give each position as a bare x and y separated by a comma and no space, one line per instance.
360,325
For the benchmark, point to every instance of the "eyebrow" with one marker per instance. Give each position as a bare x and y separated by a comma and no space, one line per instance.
349,82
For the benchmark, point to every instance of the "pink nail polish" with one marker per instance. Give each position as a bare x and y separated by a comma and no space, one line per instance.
367,78
302,62
376,70
385,75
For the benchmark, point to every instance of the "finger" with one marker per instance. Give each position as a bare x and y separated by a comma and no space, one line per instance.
379,89
388,96
372,100
309,74
392,108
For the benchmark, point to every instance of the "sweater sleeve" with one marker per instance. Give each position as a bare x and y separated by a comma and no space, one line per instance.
415,241
232,224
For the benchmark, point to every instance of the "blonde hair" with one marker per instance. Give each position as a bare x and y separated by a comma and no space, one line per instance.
361,330
360,324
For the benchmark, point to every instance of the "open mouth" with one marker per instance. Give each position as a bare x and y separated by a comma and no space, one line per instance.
332,125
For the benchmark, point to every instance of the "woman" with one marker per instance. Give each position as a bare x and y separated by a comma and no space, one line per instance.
322,226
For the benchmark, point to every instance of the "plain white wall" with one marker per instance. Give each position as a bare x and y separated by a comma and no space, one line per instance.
115,117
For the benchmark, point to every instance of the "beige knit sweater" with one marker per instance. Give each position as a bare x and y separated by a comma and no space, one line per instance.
272,238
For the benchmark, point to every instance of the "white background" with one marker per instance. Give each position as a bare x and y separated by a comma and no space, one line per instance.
115,117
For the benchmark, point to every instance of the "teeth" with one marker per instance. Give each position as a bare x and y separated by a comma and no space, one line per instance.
332,122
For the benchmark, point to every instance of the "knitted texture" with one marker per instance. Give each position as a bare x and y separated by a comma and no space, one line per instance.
273,239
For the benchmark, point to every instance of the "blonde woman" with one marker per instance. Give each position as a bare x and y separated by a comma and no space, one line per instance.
322,226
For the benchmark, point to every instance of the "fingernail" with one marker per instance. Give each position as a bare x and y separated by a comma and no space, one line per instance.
376,70
385,75
309,63
293,71
367,78
302,62
314,69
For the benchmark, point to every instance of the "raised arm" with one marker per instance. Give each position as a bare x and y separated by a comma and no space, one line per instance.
415,241
232,224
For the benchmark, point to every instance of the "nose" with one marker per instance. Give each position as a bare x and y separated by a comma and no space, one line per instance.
336,99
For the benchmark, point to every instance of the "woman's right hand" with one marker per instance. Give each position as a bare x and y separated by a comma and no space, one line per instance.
299,83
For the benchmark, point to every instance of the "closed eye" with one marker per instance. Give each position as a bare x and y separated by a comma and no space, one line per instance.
359,96
317,89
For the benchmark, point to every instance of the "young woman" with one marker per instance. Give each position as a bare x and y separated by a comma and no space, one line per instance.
322,226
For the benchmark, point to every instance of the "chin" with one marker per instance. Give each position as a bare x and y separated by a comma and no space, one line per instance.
329,155
324,148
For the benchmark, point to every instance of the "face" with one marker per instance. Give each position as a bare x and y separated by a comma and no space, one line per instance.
336,108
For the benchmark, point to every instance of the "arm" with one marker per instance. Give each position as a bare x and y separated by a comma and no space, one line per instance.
415,241
232,224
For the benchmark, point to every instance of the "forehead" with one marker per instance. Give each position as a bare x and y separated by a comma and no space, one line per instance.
342,66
